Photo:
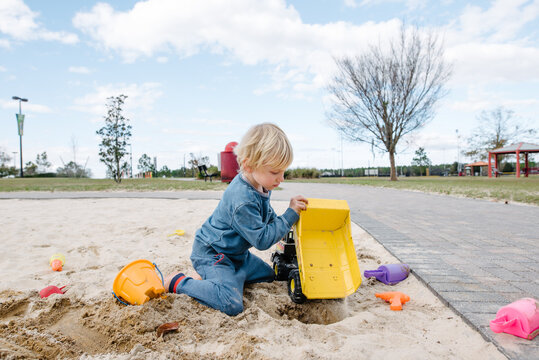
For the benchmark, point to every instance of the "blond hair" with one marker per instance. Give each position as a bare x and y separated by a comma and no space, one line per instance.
264,145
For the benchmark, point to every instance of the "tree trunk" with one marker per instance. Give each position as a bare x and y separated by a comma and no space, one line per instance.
118,173
393,169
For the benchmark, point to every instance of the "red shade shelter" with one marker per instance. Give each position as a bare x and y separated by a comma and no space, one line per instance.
475,167
518,148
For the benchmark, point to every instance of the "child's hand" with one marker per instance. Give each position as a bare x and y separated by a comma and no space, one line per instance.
298,203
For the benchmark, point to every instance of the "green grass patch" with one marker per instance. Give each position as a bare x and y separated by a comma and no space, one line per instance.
524,190
70,184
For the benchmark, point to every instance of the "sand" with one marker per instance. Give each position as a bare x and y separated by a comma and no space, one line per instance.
98,237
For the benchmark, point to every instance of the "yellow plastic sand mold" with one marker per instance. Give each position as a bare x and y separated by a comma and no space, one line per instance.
327,260
138,282
178,232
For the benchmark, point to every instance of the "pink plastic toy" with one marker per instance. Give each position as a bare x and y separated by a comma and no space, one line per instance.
520,318
49,290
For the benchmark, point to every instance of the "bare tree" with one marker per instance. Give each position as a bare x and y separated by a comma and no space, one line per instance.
496,128
382,95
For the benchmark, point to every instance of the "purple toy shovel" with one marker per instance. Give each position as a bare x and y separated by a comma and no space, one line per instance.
389,274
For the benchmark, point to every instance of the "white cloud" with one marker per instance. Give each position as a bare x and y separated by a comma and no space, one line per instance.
501,22
484,45
350,3
475,61
410,4
2,69
19,22
61,36
162,59
491,46
79,69
26,107
431,141
141,97
253,32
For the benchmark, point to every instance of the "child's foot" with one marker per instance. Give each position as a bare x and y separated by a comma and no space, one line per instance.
195,276
171,281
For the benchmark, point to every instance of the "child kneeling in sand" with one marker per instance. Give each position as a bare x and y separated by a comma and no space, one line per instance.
244,218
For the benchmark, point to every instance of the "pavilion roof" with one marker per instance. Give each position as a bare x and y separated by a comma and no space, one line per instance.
513,148
478,163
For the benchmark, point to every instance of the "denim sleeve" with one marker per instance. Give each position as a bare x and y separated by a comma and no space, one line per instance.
272,215
248,223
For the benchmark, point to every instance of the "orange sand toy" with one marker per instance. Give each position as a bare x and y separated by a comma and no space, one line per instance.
57,261
138,282
396,298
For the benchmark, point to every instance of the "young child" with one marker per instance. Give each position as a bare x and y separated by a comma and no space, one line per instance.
243,218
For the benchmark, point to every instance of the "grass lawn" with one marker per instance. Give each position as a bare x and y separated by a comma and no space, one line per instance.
65,184
525,190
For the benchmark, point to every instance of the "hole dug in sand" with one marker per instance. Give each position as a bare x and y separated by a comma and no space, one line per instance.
321,312
273,299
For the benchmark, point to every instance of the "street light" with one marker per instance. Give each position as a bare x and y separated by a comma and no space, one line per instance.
458,151
342,161
20,123
131,161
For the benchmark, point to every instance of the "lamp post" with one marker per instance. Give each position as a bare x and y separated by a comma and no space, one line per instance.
458,151
130,161
20,123
342,159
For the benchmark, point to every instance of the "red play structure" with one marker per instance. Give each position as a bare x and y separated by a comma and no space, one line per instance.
522,147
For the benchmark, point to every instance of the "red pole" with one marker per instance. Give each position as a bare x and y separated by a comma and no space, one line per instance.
489,164
518,164
527,169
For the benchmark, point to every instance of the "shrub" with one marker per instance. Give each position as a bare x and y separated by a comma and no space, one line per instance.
302,173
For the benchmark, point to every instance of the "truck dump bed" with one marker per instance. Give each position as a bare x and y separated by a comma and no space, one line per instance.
327,259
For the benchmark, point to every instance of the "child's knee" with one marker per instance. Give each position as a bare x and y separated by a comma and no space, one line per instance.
231,301
233,308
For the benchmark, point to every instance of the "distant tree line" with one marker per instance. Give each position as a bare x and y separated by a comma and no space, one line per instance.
383,171
145,164
41,168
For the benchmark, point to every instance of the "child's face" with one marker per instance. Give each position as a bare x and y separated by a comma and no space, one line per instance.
267,177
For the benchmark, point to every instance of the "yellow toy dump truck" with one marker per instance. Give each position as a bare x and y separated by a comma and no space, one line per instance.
317,257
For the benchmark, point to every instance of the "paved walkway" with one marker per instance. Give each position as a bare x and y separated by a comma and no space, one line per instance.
475,255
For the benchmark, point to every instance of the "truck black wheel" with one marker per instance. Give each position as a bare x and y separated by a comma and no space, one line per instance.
280,268
294,287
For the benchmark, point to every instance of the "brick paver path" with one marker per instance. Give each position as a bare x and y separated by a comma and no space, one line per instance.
475,255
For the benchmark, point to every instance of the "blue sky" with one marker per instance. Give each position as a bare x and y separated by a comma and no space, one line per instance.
198,73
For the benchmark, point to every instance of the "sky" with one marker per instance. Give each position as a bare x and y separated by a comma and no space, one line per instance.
198,74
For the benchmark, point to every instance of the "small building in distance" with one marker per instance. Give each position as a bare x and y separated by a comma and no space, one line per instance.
478,168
